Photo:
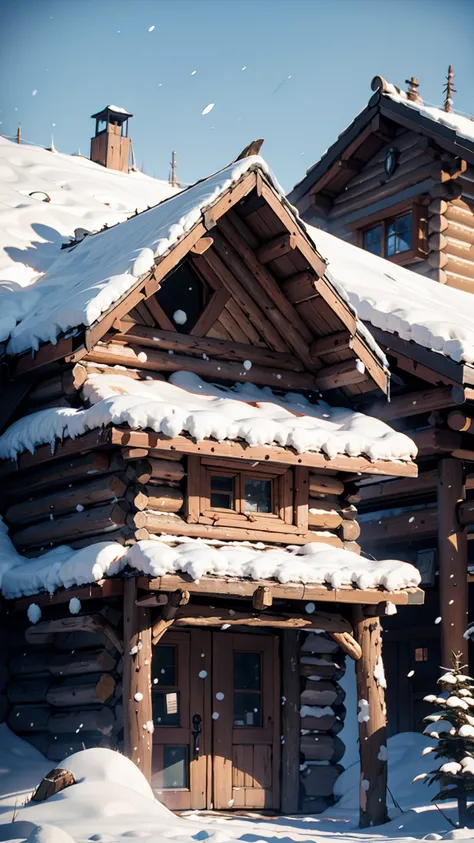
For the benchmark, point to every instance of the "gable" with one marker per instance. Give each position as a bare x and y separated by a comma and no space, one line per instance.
258,278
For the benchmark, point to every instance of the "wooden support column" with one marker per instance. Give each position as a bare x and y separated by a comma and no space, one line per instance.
452,560
372,720
137,704
290,722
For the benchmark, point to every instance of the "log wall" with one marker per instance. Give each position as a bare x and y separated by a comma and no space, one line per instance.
64,688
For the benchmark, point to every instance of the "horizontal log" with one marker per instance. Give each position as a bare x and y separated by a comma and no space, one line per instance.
164,498
324,723
415,403
338,375
299,287
60,473
271,454
435,440
323,518
143,453
75,623
81,662
67,382
410,525
222,349
405,487
115,354
56,749
461,421
325,484
349,530
89,693
276,248
154,470
319,781
321,748
155,524
99,519
315,643
99,719
29,718
100,489
320,693
29,690
204,616
339,341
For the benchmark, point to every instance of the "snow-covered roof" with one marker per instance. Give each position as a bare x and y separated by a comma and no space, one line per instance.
315,563
461,124
188,404
82,193
400,301
84,282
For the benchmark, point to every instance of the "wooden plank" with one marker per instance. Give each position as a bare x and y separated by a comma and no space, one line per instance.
103,488
270,454
137,701
299,287
410,525
414,403
290,722
98,591
373,729
205,616
80,445
49,353
435,440
222,727
120,355
425,483
92,521
447,369
211,313
452,560
338,375
159,315
220,586
60,473
276,248
339,341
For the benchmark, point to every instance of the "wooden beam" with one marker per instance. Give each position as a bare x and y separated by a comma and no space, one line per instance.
179,598
290,722
202,246
221,587
222,349
80,445
447,370
206,616
98,591
299,287
348,644
338,375
452,560
425,483
339,341
414,403
373,724
276,248
262,598
137,702
409,526
270,454
434,440
461,421
76,623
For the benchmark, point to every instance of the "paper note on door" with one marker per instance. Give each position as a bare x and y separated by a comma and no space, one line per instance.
172,703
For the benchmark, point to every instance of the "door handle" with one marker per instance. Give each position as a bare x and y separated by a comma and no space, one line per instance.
196,732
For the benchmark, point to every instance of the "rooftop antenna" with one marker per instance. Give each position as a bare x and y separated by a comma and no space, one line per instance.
413,86
173,179
449,89
18,133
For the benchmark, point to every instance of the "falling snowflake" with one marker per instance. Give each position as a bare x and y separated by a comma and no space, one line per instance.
151,28
202,674
180,317
247,365
34,92
34,613
74,605
208,108
193,73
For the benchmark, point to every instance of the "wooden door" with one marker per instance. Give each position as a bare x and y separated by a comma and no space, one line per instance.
181,692
246,721
230,682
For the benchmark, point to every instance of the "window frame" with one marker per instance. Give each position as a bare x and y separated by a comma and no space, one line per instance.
289,512
419,231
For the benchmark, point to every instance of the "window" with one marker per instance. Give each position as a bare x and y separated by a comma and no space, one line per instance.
401,238
247,689
421,654
258,497
165,694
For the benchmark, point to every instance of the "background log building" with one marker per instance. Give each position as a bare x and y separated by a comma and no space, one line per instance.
190,539
399,183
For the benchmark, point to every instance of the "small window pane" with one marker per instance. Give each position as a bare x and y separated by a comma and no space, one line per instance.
175,767
258,495
373,240
399,235
165,708
222,492
164,666
247,671
247,709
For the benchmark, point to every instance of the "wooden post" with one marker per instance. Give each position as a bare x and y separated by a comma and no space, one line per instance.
137,704
452,553
290,723
372,720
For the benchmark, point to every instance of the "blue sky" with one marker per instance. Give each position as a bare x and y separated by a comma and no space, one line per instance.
308,64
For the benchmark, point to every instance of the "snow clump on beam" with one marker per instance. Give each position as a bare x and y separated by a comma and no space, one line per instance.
315,563
187,404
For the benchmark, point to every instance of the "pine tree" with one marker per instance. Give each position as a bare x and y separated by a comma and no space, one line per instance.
453,728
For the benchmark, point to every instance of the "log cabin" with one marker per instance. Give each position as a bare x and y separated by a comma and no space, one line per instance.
375,176
181,571
399,182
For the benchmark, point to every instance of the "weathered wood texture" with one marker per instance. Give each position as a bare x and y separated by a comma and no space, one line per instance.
138,716
290,722
372,720
452,558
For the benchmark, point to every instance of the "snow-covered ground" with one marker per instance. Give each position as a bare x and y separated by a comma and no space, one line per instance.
111,802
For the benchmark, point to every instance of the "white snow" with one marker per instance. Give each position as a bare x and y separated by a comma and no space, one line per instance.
450,767
138,696
400,301
83,195
207,108
364,711
74,606
315,562
188,404
180,317
379,673
34,613
111,802
459,123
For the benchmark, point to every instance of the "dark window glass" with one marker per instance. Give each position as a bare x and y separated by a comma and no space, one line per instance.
247,709
175,767
258,495
165,708
183,297
164,666
222,492
247,671
399,235
373,240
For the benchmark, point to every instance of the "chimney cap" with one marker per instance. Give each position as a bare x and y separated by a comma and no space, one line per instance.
118,112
